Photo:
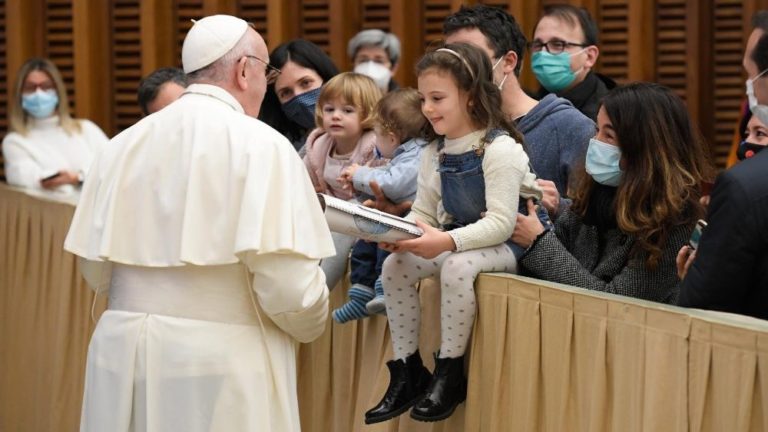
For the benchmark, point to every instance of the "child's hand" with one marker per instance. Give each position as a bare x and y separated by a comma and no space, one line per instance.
346,176
431,244
528,227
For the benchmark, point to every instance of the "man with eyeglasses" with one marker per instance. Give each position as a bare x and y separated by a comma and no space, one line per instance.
563,52
201,223
556,134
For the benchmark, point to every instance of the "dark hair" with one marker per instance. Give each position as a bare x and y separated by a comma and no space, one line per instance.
305,54
499,27
760,20
664,162
574,16
399,112
150,85
473,74
760,53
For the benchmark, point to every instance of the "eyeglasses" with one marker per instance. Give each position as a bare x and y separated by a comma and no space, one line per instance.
553,47
270,72
31,87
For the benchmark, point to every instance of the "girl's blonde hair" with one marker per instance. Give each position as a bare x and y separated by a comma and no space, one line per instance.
399,112
356,90
19,118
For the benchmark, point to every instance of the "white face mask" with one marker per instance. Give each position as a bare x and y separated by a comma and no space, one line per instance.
751,90
501,84
379,73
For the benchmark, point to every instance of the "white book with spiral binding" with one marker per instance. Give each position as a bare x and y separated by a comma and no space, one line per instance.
366,223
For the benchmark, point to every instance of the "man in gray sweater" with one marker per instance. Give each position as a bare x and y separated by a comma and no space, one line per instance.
556,134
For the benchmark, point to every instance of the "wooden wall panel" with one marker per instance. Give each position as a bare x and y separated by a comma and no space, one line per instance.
671,45
434,13
59,42
3,78
186,11
376,15
126,62
255,12
314,21
691,46
613,23
728,75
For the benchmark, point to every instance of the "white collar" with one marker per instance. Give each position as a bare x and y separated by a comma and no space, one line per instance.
215,92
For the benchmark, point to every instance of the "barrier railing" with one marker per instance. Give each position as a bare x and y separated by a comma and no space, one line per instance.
544,357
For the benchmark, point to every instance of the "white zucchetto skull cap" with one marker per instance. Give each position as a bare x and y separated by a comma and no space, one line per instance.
209,39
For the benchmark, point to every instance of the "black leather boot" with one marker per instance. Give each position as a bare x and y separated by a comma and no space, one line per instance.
407,381
447,390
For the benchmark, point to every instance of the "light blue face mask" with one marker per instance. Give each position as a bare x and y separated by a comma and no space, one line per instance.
41,103
553,70
301,109
603,163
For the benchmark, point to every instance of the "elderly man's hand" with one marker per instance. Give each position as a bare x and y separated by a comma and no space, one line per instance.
382,203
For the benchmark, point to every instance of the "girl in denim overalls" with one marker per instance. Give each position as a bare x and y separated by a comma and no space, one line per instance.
472,179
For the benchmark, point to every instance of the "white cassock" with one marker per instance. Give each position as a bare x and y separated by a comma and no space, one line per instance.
203,225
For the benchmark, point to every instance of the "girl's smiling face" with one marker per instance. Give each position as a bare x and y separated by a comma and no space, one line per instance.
444,104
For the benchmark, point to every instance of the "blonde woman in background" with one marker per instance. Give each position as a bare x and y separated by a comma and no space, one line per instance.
46,148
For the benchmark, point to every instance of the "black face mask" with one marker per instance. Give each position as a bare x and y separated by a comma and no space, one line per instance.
748,149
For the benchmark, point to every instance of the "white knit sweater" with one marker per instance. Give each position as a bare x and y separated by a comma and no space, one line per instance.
507,178
47,148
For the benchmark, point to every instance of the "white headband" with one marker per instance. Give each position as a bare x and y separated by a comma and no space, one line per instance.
458,56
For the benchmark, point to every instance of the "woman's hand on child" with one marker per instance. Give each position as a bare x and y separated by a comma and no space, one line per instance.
431,244
528,227
684,260
551,197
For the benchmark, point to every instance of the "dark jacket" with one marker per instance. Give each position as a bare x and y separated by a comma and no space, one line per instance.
586,96
556,136
581,255
730,272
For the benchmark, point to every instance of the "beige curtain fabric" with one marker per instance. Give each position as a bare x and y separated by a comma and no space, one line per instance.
543,357
46,324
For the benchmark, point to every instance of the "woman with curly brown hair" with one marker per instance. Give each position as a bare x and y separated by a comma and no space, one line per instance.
635,206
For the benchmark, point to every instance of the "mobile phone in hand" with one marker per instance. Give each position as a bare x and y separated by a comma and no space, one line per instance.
693,242
50,177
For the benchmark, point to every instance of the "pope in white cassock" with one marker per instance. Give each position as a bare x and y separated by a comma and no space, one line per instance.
202,224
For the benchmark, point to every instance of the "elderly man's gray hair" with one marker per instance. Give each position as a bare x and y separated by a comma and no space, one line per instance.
375,38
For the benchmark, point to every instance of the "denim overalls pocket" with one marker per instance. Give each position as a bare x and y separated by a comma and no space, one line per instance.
463,186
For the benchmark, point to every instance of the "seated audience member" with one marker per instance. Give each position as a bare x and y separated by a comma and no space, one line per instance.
375,54
160,88
564,50
730,269
556,134
344,137
398,126
289,105
46,148
756,139
636,205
